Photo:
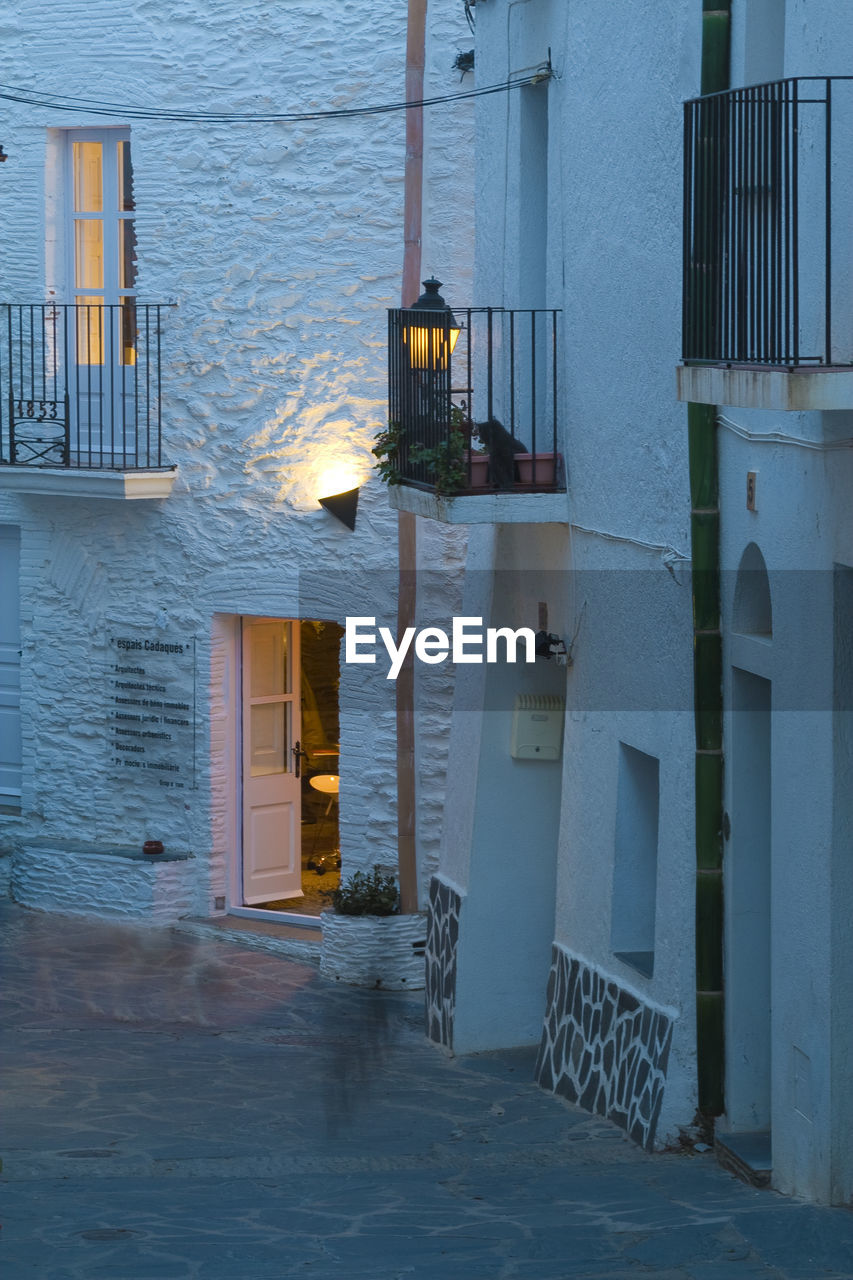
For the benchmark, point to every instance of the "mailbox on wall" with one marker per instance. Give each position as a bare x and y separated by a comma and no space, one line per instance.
537,727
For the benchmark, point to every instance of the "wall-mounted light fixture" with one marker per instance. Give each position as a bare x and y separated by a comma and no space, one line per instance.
430,329
343,506
550,646
337,493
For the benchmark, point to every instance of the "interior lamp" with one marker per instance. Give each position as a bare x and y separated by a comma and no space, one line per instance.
430,335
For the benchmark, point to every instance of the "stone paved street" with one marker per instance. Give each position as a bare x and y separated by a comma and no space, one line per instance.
179,1108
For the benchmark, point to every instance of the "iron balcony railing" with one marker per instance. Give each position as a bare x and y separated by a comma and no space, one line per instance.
768,224
484,417
80,385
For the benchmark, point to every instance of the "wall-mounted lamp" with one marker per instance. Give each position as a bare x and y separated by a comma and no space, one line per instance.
430,335
337,492
343,506
548,645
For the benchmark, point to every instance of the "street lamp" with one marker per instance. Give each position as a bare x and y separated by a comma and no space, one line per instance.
430,329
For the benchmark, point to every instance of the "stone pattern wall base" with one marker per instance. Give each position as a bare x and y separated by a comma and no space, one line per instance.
442,937
374,951
96,884
603,1048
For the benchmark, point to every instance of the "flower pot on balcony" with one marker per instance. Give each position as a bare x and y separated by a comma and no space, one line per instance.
374,951
546,468
476,466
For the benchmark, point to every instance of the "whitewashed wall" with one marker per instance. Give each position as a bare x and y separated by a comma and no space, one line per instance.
804,467
611,237
281,246
609,257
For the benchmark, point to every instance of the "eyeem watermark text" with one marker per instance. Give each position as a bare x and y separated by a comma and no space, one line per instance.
467,642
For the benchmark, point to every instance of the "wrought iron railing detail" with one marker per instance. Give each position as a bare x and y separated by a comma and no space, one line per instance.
768,224
80,385
484,417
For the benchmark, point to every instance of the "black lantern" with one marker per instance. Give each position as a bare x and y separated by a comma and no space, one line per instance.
430,329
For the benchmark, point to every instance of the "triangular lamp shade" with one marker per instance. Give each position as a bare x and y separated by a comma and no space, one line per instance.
342,506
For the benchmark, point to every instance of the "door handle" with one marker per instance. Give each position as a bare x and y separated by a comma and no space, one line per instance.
298,756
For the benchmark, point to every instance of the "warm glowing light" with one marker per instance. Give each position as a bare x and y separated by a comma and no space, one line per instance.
430,345
338,479
430,330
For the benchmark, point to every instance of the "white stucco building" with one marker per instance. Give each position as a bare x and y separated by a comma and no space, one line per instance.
193,354
663,909
638,858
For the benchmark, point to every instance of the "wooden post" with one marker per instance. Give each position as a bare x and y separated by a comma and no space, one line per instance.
406,522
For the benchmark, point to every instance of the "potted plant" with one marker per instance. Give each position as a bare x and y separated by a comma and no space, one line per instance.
445,463
366,941
449,465
386,451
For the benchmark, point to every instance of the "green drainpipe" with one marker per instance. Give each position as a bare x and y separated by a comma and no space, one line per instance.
708,674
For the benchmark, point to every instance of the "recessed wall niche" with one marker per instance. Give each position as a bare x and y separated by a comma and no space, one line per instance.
752,612
635,866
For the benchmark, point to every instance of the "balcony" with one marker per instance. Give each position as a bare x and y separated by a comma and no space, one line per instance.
80,400
472,411
768,246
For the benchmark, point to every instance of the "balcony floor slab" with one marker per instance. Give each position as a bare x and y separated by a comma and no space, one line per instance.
756,387
70,482
482,508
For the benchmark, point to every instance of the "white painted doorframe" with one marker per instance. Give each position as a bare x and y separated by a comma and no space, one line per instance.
271,789
227,783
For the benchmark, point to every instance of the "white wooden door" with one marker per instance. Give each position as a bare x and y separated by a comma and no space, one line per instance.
272,858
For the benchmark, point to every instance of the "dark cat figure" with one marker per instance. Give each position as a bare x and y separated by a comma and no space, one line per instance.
502,447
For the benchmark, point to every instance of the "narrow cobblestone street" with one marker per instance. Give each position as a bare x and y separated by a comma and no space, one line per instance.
180,1108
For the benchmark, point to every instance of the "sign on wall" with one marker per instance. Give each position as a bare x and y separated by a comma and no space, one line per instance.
151,709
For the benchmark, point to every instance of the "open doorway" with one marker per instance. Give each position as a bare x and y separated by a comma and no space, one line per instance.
290,775
748,911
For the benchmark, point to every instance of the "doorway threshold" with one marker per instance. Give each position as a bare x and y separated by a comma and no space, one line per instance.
295,941
747,1155
294,918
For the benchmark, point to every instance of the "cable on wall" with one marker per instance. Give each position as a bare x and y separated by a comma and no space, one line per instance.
669,555
89,106
779,437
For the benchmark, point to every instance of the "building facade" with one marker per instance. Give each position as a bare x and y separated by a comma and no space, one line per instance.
662,909
193,354
635,850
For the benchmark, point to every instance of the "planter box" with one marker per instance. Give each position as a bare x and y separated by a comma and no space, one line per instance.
375,951
479,469
546,468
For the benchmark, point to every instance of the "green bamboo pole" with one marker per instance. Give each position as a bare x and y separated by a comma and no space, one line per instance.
708,674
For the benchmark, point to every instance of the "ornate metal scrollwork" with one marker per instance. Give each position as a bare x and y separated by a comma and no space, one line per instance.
39,435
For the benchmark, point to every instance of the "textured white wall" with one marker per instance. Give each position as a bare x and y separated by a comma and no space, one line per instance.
612,232
613,263
80,883
282,247
802,528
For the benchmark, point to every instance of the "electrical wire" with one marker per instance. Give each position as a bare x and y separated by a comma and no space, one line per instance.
779,437
669,555
64,102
